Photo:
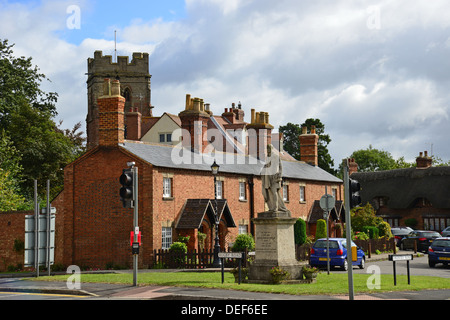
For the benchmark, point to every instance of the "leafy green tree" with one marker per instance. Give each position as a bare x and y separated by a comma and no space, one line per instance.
292,131
26,118
10,175
371,159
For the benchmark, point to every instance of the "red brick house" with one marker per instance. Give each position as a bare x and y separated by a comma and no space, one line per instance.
176,187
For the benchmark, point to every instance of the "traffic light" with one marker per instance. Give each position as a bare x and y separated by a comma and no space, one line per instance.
127,189
354,188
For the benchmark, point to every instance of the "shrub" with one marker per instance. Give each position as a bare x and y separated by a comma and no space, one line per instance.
242,242
373,232
184,239
359,235
300,231
321,229
384,229
179,249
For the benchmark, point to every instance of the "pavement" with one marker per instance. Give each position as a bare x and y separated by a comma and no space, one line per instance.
102,291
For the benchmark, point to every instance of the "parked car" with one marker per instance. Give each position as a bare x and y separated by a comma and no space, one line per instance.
446,232
439,252
338,254
423,239
399,233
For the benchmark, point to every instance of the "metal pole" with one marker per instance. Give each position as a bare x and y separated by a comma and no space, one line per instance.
36,230
135,223
328,238
395,274
217,263
48,226
407,265
348,230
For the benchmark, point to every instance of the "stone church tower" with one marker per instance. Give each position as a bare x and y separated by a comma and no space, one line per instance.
134,79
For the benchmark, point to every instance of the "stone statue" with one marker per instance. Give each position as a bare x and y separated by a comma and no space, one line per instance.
271,176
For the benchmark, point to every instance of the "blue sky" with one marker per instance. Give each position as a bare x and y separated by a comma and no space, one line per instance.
374,72
99,18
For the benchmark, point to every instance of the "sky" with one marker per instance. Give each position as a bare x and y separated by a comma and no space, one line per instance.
374,72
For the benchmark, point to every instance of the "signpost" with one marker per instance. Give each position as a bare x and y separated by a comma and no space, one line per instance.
231,255
327,203
400,257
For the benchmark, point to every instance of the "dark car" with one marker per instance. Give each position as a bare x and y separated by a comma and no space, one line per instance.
439,252
446,232
399,233
338,254
423,239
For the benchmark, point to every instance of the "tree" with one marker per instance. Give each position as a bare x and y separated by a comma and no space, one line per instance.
26,118
300,231
321,229
291,132
371,159
10,176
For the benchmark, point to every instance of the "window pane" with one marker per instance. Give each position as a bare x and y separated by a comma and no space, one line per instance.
162,138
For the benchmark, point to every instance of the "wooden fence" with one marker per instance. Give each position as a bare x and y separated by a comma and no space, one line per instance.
192,259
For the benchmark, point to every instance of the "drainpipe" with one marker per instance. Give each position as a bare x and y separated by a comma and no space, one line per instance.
252,203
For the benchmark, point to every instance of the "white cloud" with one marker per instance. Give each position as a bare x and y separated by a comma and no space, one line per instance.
373,73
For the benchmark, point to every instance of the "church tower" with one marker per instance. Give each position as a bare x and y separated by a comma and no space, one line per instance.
134,80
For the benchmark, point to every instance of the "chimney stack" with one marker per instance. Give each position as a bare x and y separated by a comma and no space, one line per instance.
308,146
259,134
423,161
111,114
194,120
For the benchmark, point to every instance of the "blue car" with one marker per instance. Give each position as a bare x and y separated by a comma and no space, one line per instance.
338,254
439,252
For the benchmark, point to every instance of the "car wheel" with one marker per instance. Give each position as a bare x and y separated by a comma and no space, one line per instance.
362,264
431,264
402,246
345,265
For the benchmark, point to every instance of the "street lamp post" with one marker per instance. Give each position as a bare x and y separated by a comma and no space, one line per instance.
217,262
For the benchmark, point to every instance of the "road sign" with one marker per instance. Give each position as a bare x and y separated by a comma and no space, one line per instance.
30,239
327,202
230,255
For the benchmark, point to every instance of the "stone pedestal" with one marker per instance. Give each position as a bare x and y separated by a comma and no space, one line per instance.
274,246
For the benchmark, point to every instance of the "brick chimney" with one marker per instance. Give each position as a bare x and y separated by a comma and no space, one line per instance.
259,134
111,114
423,161
308,146
133,121
352,166
194,120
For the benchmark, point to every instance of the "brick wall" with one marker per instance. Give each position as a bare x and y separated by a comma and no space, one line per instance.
12,227
96,228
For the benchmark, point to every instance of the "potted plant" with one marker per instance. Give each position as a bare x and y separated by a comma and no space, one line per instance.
244,274
309,272
278,274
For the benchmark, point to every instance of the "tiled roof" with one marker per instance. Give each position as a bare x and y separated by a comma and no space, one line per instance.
180,158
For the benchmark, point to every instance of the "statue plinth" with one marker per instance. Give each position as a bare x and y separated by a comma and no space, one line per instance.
274,246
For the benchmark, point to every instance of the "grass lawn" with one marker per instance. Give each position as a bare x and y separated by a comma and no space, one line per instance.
335,283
